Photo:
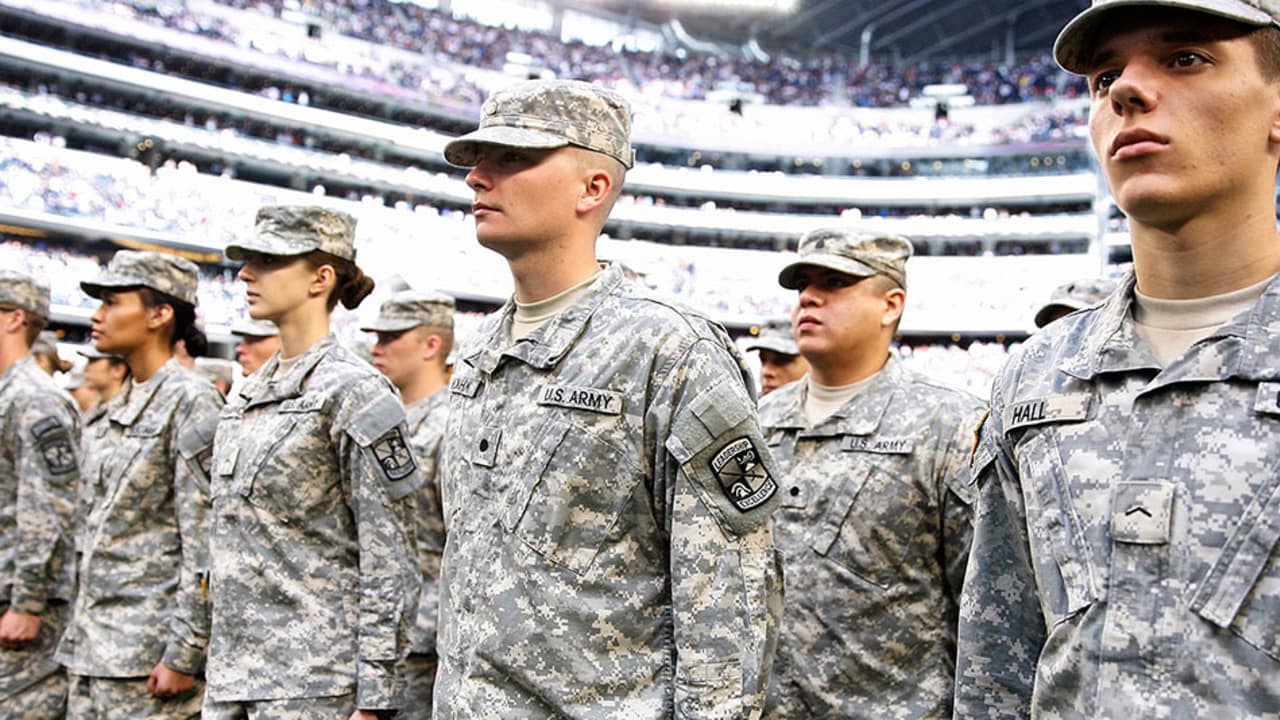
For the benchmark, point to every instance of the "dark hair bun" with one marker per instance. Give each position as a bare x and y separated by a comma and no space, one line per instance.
356,289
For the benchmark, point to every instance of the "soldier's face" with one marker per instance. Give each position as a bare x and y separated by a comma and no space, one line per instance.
275,284
837,316
400,355
253,352
120,322
523,198
1182,119
778,369
98,374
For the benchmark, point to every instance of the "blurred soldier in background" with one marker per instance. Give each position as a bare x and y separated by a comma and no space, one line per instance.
39,431
105,373
258,341
219,371
1070,297
1125,548
45,353
780,361
415,335
135,647
875,517
81,391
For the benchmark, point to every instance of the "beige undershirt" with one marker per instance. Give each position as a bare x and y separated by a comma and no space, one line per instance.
284,365
1170,327
822,401
531,316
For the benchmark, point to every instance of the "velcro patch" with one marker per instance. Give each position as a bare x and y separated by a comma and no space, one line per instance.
742,477
46,426
581,398
464,386
1046,410
888,445
393,455
1267,400
58,455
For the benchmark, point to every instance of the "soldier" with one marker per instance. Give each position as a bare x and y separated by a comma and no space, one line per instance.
105,373
81,391
780,362
39,429
607,491
1070,297
45,352
415,335
315,581
219,371
874,526
258,341
1125,548
136,643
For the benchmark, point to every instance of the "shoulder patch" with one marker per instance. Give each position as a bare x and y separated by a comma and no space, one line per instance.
393,455
745,480
1073,407
49,425
373,422
605,402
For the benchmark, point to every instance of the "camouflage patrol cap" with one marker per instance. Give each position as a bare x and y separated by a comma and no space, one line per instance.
169,274
852,252
23,291
410,309
75,380
775,335
549,114
297,230
1074,295
248,327
1074,47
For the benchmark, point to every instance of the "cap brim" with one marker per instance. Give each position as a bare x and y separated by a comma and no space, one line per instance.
778,346
1042,315
848,266
389,326
108,281
1074,47
464,151
239,252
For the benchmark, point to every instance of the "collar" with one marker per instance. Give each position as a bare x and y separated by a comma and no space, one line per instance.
132,400
544,347
23,365
860,416
264,387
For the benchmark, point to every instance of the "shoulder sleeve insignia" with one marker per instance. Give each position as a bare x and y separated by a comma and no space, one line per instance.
58,455
745,480
393,455
46,426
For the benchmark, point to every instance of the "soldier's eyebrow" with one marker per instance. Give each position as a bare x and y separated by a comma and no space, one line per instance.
1169,37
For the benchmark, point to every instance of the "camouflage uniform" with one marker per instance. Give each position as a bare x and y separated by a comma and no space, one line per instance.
141,599
875,530
600,561
314,583
426,422
39,430
1124,553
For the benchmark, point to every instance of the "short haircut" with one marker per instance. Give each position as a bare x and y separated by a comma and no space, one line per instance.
446,339
1266,41
34,324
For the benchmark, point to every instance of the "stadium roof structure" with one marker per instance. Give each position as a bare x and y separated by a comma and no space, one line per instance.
906,30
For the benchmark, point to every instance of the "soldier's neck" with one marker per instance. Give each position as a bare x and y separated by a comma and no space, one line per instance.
423,386
11,351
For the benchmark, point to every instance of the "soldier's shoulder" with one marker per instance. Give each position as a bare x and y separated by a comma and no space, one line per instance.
36,392
931,390
659,314
341,371
190,386
775,405
1036,361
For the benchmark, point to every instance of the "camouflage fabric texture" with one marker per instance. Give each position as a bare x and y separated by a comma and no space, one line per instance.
607,499
546,114
337,707
169,274
145,537
874,528
315,576
852,252
296,230
1124,552
426,423
39,473
775,335
410,309
103,697
23,291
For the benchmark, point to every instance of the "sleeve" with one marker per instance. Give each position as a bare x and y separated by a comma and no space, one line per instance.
428,524
194,424
726,577
958,498
1002,628
383,478
48,437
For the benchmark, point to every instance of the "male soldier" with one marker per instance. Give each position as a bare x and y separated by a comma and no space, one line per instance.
415,335
874,526
106,374
81,391
39,429
607,491
780,361
258,341
1070,297
45,352
1125,549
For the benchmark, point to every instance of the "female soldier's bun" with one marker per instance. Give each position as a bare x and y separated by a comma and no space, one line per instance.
356,288
195,341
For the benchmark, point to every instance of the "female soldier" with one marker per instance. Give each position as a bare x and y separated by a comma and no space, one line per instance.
314,581
137,639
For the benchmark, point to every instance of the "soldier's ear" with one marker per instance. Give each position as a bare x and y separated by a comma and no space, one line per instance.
596,188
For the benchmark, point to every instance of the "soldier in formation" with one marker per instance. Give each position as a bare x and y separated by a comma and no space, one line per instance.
256,342
780,362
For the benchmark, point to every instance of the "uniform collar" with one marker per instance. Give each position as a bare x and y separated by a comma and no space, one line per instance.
544,347
133,399
860,416
264,387
23,365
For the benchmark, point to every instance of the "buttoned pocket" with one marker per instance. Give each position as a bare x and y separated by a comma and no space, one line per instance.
862,527
1241,591
575,489
292,471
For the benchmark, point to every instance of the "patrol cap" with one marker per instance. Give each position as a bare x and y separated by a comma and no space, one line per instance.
1074,295
297,230
852,252
248,327
410,309
547,114
775,335
169,274
75,380
46,344
23,291
1075,44
91,353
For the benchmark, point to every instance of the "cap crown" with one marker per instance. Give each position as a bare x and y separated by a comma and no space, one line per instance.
23,291
169,274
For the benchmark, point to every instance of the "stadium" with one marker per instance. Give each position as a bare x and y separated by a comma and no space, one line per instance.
145,124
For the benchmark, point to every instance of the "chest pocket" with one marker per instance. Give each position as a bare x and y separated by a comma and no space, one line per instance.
574,490
282,461
862,526
141,448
